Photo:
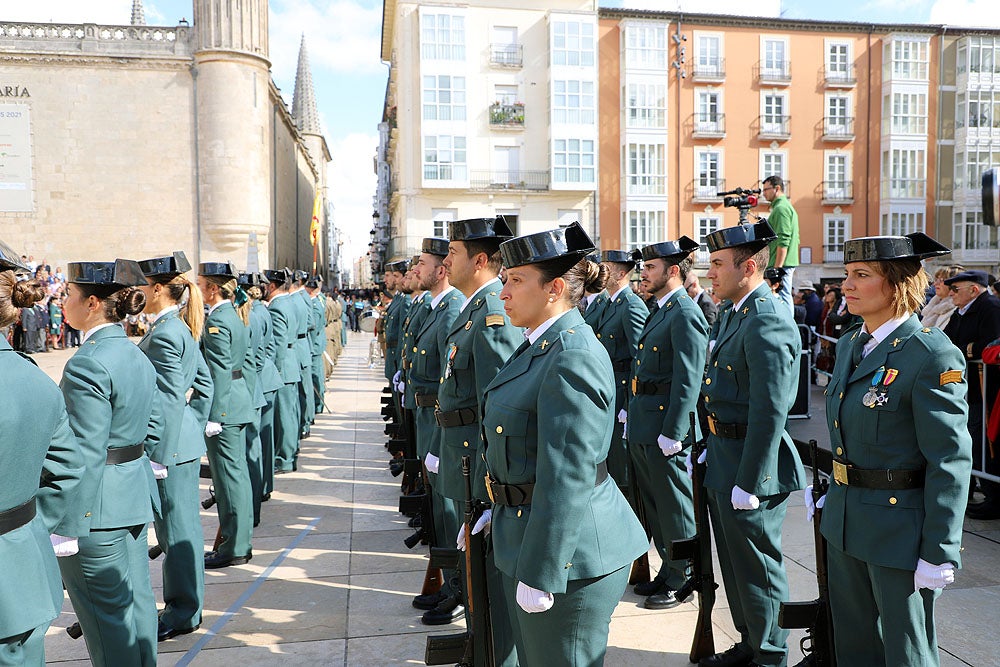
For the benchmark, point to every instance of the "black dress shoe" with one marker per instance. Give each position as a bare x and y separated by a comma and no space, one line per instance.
665,599
264,498
165,632
734,656
430,600
650,587
448,611
984,511
214,561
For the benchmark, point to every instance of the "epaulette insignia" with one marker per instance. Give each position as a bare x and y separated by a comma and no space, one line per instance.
213,330
478,301
926,330
494,320
570,331
951,376
762,299
544,343
746,310
493,293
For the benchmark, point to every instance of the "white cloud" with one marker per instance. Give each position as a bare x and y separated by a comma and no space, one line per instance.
966,13
352,186
736,7
109,12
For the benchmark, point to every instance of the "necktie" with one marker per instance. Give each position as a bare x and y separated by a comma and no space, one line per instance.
652,312
857,351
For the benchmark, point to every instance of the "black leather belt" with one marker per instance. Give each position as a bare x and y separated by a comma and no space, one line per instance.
124,454
886,480
302,335
514,495
425,400
291,345
649,388
622,365
732,431
16,517
238,374
453,418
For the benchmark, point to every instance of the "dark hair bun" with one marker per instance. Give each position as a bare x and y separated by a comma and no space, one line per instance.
27,294
597,277
130,301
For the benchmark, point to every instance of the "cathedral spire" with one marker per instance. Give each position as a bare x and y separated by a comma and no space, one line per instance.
304,98
138,15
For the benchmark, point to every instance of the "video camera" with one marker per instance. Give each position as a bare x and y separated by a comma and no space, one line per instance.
743,199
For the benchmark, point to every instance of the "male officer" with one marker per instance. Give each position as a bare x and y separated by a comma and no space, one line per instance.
392,321
666,378
417,312
480,340
303,351
752,465
424,376
317,339
285,321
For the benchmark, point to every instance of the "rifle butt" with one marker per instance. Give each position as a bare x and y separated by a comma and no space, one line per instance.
798,615
640,571
446,558
433,580
446,649
703,644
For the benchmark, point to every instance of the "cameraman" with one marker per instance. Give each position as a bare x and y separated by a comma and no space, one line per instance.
784,250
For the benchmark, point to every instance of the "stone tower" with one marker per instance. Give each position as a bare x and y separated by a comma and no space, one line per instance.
234,115
306,115
138,15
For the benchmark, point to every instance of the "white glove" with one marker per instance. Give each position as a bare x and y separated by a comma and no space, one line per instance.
533,600
395,378
810,507
482,523
159,471
622,415
930,576
668,446
432,462
744,500
690,467
401,387
64,546
213,429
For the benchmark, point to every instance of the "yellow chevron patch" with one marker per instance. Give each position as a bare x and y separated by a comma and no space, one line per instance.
494,320
950,376
213,330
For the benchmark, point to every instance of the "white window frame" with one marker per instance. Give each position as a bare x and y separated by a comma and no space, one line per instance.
901,222
779,69
644,166
440,217
779,126
704,186
564,146
645,105
455,107
906,57
834,70
904,172
766,171
642,227
904,112
584,112
568,47
703,63
704,224
835,124
836,230
837,188
645,46
451,48
459,170
704,122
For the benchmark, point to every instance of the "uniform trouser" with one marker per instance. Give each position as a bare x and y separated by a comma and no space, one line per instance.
575,630
108,584
319,383
287,427
227,456
666,496
307,409
27,648
447,517
879,619
179,534
255,463
267,444
753,572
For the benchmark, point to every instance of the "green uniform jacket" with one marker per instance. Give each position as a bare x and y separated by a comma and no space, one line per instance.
179,366
395,313
110,388
919,422
303,346
265,348
285,321
427,362
547,419
420,306
317,330
480,340
226,346
39,457
620,326
671,351
752,377
596,310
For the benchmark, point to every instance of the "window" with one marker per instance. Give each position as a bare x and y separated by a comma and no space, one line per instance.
444,158
774,163
708,55
444,97
971,234
644,169
708,170
834,235
838,61
512,216
643,228
907,59
442,37
646,105
774,119
506,166
708,107
979,109
774,59
573,102
971,165
504,49
838,177
705,225
440,218
646,47
903,174
838,116
900,224
573,161
573,43
908,113
979,55
565,216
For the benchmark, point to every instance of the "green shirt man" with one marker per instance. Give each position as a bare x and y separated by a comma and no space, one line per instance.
784,249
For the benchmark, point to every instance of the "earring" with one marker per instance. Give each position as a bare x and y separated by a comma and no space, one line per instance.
551,299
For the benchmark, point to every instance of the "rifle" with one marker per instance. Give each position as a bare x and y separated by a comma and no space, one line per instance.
424,534
698,550
815,617
474,647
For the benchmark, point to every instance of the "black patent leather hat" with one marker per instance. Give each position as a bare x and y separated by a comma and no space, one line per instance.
10,260
618,257
171,265
222,269
533,248
279,276
434,245
300,276
120,273
751,233
251,280
676,250
886,248
402,266
480,228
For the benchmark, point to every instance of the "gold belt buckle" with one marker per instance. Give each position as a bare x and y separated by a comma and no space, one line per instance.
634,380
840,473
711,425
489,489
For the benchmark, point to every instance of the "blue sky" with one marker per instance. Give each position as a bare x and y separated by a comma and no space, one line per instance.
343,39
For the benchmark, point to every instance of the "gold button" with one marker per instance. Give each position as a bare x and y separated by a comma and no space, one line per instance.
87,514
623,381
441,381
661,407
707,399
708,380
414,348
840,451
638,362
223,414
640,346
836,424
611,336
716,364
892,500
499,429
598,335
841,394
519,512
465,444
655,349
729,368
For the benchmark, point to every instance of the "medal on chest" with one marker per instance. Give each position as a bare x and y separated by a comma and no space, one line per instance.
877,395
452,349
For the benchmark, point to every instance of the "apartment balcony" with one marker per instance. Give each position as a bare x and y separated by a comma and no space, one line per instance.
709,72
509,180
773,128
773,74
904,188
838,193
840,77
507,116
984,254
703,190
507,55
708,126
838,128
833,253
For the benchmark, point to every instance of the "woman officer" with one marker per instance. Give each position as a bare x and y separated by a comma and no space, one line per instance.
902,459
110,389
171,345
563,534
36,443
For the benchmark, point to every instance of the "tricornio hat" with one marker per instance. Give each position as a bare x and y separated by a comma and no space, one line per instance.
673,250
221,269
757,234
402,266
251,280
120,273
279,276
563,242
300,275
618,257
480,228
314,281
171,265
977,277
434,245
885,248
10,260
